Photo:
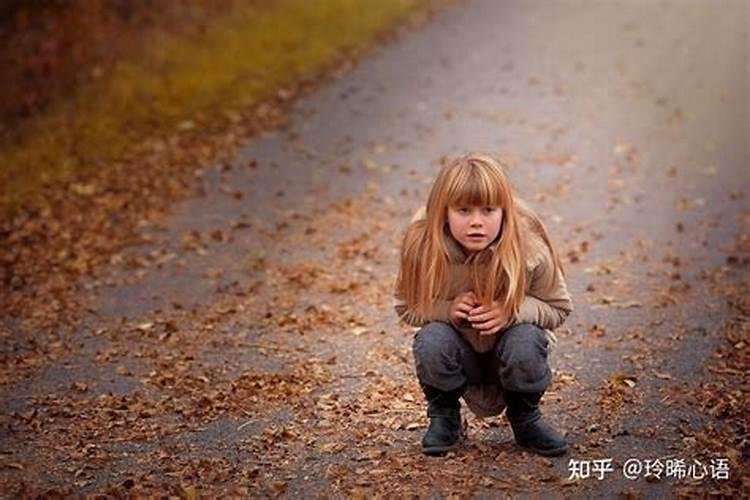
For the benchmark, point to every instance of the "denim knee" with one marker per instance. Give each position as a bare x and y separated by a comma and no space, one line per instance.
438,356
522,353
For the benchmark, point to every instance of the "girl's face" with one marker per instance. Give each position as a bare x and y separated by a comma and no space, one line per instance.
475,227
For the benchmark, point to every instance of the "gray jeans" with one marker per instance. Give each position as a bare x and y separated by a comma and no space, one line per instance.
446,361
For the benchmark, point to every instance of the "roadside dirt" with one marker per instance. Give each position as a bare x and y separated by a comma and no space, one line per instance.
245,342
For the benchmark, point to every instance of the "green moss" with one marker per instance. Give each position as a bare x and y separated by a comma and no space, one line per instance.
241,59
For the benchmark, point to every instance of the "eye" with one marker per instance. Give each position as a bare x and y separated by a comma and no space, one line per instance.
462,210
489,210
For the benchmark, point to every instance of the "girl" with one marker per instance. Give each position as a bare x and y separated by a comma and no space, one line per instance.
480,277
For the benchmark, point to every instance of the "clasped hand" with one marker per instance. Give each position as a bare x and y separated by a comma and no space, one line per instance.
488,320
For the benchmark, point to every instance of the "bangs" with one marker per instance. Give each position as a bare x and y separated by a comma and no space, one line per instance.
474,188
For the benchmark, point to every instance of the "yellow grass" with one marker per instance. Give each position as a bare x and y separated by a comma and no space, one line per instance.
241,59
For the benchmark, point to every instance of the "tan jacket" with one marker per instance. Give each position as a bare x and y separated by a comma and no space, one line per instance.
546,303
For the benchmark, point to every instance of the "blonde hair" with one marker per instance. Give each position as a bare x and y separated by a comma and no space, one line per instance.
470,180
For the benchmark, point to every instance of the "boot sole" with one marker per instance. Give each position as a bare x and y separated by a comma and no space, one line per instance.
554,452
441,450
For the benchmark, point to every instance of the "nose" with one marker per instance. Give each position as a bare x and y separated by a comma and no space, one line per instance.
475,220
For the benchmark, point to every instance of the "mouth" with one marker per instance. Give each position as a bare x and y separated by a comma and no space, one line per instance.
475,236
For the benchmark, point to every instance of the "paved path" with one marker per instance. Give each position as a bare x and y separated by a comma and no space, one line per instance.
252,345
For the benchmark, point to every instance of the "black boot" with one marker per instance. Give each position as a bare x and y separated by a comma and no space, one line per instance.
529,428
444,409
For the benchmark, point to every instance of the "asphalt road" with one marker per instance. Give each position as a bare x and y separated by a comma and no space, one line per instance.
627,126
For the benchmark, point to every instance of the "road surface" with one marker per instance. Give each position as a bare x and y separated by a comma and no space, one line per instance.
251,346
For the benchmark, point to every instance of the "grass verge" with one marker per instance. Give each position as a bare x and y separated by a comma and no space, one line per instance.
181,82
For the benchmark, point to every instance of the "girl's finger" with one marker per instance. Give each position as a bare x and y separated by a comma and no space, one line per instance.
488,332
480,318
466,300
470,302
491,331
478,310
477,320
481,326
487,325
492,327
464,308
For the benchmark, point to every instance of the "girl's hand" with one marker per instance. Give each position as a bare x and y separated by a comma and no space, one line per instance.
461,306
489,320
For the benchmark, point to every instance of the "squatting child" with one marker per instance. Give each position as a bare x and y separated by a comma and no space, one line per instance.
479,275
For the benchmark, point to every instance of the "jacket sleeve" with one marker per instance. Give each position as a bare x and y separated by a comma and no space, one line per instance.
439,313
547,302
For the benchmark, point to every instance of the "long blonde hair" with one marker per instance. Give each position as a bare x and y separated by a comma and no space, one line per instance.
498,271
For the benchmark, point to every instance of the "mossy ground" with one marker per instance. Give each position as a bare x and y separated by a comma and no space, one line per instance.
241,58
